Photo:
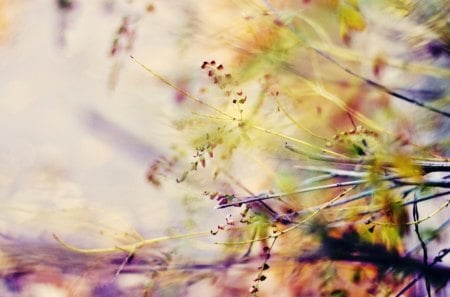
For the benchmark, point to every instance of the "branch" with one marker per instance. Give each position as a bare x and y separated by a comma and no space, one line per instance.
381,87
435,234
436,183
425,166
416,218
350,248
261,197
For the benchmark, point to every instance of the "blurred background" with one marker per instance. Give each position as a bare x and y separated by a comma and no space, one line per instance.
81,122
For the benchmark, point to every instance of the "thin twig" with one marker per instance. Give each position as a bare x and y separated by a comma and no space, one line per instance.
130,248
260,277
424,165
435,235
435,183
429,268
296,123
428,197
334,171
297,141
378,209
261,197
422,243
414,222
381,87
296,225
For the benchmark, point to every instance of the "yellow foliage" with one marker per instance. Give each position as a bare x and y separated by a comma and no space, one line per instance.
406,168
350,19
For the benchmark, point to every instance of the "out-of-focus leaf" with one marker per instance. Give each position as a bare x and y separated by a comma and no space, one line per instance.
350,19
267,46
287,182
407,169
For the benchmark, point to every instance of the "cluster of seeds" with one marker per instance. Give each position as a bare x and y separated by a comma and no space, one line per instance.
159,167
201,153
222,227
358,139
266,253
124,37
224,81
359,130
221,198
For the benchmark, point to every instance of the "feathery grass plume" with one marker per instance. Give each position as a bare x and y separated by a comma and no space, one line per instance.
342,127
